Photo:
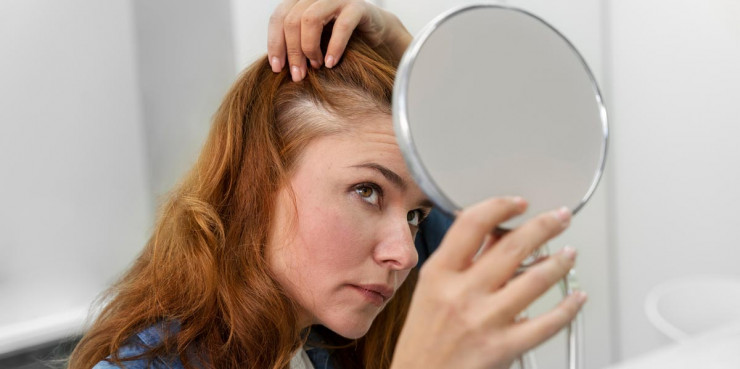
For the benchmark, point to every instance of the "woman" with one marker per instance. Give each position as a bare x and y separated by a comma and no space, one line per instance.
301,213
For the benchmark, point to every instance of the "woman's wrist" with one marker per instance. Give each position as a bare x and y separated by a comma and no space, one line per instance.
397,37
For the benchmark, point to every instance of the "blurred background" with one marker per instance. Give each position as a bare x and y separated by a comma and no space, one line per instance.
105,104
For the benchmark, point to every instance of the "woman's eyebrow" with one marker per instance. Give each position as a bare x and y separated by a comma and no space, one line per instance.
390,175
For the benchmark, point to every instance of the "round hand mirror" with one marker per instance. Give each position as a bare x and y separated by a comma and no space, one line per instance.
492,101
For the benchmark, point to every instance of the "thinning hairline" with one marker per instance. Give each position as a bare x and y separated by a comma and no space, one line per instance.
317,120
329,122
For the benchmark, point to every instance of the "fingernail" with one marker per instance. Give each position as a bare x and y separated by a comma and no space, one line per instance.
568,252
563,215
295,72
303,72
315,63
276,67
329,61
581,297
519,202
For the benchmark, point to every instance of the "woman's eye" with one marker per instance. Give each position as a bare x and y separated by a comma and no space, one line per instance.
367,194
414,217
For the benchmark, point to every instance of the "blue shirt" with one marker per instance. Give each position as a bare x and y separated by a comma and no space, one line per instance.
431,232
140,343
152,336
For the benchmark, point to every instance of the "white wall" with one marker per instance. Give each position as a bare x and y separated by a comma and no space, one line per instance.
103,107
75,202
249,29
675,98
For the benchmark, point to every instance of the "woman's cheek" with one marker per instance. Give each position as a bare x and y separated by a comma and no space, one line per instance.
340,233
401,277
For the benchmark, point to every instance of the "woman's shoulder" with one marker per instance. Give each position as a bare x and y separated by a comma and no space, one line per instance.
141,343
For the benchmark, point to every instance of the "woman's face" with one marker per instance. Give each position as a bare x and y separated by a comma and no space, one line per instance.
346,244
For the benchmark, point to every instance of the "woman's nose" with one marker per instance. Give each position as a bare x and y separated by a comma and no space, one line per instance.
396,245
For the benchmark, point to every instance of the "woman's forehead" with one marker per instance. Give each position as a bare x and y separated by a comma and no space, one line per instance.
370,149
370,136
369,141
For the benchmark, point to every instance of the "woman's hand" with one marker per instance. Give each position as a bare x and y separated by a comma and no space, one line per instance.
296,25
464,308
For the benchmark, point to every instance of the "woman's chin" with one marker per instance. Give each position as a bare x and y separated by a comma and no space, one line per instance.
353,335
350,330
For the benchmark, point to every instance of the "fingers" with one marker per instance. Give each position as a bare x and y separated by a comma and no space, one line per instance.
276,36
294,33
495,267
313,20
521,291
344,25
296,26
467,233
292,30
530,333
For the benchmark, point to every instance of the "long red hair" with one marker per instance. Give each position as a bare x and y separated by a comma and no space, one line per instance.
204,266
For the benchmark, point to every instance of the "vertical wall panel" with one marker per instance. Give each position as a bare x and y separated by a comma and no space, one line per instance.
186,64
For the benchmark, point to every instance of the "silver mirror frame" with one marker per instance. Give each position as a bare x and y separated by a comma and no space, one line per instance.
400,109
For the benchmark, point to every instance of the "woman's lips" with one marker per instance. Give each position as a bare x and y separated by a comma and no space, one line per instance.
376,294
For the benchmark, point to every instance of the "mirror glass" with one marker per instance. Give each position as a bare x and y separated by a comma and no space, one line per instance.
492,101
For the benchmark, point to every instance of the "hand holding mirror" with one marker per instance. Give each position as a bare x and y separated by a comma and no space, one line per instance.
492,101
